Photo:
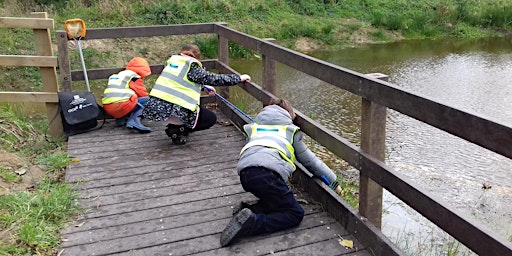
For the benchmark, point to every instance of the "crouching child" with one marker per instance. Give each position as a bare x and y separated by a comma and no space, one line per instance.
265,165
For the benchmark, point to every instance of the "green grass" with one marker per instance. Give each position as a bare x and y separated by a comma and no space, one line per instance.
350,192
32,218
328,23
9,176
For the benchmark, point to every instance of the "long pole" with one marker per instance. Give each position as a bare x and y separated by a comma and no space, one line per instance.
83,64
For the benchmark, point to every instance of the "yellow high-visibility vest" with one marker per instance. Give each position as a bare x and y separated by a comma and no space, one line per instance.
118,87
279,137
173,85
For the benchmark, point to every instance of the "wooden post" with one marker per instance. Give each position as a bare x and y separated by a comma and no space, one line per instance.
64,65
43,44
269,71
373,137
224,58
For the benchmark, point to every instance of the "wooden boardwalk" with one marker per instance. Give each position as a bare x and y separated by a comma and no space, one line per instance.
142,195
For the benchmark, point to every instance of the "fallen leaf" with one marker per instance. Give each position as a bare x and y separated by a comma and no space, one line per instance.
75,160
347,243
302,201
21,171
224,123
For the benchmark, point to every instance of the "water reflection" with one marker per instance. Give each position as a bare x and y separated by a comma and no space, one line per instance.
473,75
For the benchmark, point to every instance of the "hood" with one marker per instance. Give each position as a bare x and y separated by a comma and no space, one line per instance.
273,114
140,66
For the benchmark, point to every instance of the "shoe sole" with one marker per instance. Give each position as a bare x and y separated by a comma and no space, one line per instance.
234,227
135,128
179,140
174,133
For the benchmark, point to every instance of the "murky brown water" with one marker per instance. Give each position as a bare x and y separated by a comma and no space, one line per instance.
473,75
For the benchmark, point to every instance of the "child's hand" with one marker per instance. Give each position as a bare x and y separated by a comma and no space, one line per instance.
245,77
338,190
210,90
336,187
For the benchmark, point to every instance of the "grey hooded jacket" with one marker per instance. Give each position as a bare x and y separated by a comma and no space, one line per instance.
269,158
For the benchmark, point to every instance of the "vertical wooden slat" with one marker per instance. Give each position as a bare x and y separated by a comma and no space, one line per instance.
48,76
373,137
64,65
269,71
224,58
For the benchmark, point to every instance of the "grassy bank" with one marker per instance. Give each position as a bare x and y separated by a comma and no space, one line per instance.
330,22
34,202
304,25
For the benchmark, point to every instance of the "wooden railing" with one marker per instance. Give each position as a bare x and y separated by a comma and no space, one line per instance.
377,95
43,59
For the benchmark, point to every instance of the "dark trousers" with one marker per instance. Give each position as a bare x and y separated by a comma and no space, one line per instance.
205,120
277,209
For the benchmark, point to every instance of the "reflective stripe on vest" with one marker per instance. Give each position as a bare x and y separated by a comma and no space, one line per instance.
118,87
279,137
173,85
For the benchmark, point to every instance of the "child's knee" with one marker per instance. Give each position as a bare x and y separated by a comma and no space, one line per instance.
298,215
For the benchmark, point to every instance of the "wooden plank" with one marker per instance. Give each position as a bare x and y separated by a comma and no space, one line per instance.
373,141
156,180
29,97
30,23
105,230
119,208
326,248
151,224
148,31
43,43
195,185
63,58
176,236
28,61
123,136
158,139
93,221
286,241
119,163
269,71
104,73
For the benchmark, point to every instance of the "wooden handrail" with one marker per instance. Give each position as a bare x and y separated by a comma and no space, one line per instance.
28,61
30,23
43,97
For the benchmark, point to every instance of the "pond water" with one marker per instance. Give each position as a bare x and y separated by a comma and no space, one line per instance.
472,75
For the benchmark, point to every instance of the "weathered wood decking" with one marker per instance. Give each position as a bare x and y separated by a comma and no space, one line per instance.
143,195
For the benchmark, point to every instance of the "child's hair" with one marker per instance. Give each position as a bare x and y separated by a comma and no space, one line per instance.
283,104
191,50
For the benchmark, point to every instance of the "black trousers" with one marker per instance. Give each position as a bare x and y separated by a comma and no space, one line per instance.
205,120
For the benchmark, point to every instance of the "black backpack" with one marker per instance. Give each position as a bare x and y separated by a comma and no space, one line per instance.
79,112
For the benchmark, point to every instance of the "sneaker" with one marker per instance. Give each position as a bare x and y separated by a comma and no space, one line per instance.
176,133
239,225
180,140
